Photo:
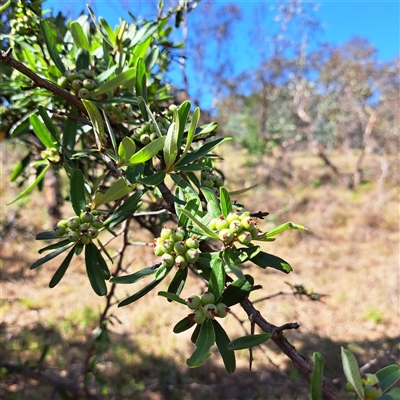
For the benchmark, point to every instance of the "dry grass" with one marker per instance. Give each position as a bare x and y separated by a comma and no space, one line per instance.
350,253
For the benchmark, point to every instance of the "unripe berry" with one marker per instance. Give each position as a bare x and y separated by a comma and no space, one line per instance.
77,84
207,298
248,223
181,262
166,233
222,310
145,139
254,232
232,217
198,316
158,251
226,235
372,392
193,302
192,243
180,248
89,74
146,127
74,222
153,127
86,216
89,84
92,232
192,255
212,177
71,75
85,239
218,182
60,230
350,387
83,228
167,245
167,260
63,81
63,223
81,77
370,379
235,226
204,174
221,223
244,238
97,223
73,236
207,183
213,224
178,235
84,93
210,310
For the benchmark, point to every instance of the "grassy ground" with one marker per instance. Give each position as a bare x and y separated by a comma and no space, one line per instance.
350,253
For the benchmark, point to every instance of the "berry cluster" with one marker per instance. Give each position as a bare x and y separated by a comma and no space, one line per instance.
81,82
118,113
212,181
81,228
173,249
238,226
148,131
25,22
372,389
204,308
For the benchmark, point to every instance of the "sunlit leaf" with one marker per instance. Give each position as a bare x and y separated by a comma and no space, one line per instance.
226,202
117,190
248,341
126,148
136,276
388,376
213,206
125,211
178,281
265,260
140,293
51,45
316,377
97,121
49,123
147,152
204,228
79,36
191,132
170,149
237,291
172,296
281,228
217,278
204,342
153,180
350,368
41,131
121,79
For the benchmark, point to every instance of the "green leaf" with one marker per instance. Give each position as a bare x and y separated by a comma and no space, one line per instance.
388,376
136,276
244,190
183,113
115,192
20,167
170,149
5,5
97,121
245,342
154,179
226,202
61,270
237,291
41,131
183,325
140,293
217,278
281,228
178,281
94,270
204,342
102,262
51,45
112,36
126,148
32,186
204,228
111,132
54,246
213,206
69,134
265,260
229,259
191,132
350,368
49,123
172,297
394,394
141,86
46,235
121,79
316,377
50,256
191,167
202,151
79,36
195,333
126,210
77,191
147,152
222,340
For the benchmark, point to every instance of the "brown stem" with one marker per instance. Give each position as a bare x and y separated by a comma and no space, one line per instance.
6,58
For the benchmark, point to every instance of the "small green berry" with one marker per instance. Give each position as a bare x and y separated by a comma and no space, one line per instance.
235,226
372,392
166,233
207,298
213,224
221,223
63,81
180,248
92,232
77,84
226,235
192,255
71,75
86,216
158,251
210,311
248,223
193,302
244,238
84,93
60,230
63,223
85,239
181,262
145,139
73,236
232,216
167,260
218,182
97,223
222,310
167,245
178,235
198,316
74,222
89,84
192,243
208,183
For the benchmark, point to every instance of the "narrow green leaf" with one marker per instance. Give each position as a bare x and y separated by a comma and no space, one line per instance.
191,167
226,202
126,210
20,167
204,228
230,262
213,206
183,113
147,152
46,235
204,342
245,342
69,134
217,278
111,34
388,376
31,187
237,291
61,270
140,84
79,36
140,293
222,340
202,151
111,132
244,190
394,394
54,246
94,270
316,377
50,256
153,180
121,79
51,45
195,333
191,132
178,281
136,276
170,149
206,129
172,296
77,191
281,228
265,260
97,121
49,124
126,148
152,58
115,192
102,262
41,131
350,368
5,5
183,325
